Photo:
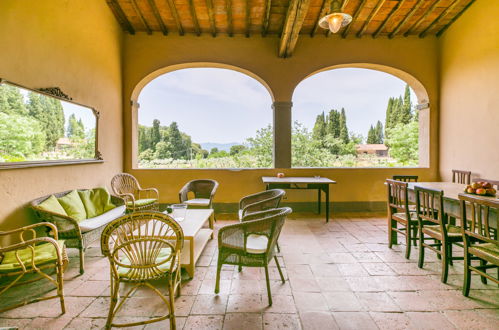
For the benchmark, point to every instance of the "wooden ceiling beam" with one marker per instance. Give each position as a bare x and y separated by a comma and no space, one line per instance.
211,15
194,18
156,13
442,30
370,17
174,13
248,18
297,11
422,18
323,12
406,18
266,17
435,21
354,18
120,16
141,16
392,13
228,8
343,6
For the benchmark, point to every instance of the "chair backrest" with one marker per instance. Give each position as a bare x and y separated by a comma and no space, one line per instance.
492,182
430,207
203,188
459,176
265,200
475,217
143,244
398,197
406,178
124,183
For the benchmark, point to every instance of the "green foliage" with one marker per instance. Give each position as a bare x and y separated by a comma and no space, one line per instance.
403,142
49,112
261,147
12,101
375,134
76,129
238,148
20,137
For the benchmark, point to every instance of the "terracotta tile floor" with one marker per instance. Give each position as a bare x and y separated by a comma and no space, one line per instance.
340,275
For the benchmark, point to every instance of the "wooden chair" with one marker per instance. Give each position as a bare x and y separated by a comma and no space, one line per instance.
479,242
432,222
136,198
406,178
32,255
142,247
252,243
203,190
264,200
459,176
399,213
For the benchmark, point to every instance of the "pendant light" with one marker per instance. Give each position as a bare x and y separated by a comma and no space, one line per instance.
336,19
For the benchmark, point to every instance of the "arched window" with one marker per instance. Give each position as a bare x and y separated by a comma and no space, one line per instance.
204,118
355,117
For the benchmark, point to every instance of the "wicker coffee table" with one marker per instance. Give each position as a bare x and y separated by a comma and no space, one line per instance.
198,230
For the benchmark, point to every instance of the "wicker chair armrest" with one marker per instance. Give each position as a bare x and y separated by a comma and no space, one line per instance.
32,242
234,236
148,190
250,199
52,227
127,197
52,217
214,190
182,194
255,207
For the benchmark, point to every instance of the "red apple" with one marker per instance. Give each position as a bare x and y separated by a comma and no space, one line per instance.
486,185
481,191
280,175
470,190
491,191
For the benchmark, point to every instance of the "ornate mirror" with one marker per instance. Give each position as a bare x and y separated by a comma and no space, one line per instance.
45,127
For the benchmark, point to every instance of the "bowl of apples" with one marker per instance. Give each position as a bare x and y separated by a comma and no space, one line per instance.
480,188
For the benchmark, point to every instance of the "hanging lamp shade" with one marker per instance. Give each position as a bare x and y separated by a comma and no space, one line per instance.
336,19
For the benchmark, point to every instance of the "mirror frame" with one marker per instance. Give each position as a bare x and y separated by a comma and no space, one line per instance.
55,92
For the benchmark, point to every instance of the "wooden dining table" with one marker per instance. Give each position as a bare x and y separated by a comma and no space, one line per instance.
451,199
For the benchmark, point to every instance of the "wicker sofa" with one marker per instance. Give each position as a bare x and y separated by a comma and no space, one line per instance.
79,233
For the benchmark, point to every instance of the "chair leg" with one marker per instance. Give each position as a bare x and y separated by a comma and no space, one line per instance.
219,268
279,269
392,234
278,247
483,278
171,292
415,235
115,286
82,260
268,284
421,249
60,288
449,255
408,238
239,268
467,274
444,249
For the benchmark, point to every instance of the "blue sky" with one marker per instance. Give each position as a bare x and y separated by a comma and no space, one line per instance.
219,105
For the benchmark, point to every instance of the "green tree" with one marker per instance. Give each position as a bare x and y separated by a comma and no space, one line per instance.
11,100
371,136
214,151
343,127
144,138
155,134
333,125
261,146
75,129
49,112
403,141
236,149
163,150
177,144
20,137
379,132
406,107
320,127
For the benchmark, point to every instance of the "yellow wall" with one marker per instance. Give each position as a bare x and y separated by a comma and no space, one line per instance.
145,54
469,129
74,45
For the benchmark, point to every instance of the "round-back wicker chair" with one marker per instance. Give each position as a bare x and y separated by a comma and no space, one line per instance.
261,201
136,198
143,246
252,243
203,189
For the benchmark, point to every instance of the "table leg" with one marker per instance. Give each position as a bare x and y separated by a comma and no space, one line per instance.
326,190
319,201
212,227
191,267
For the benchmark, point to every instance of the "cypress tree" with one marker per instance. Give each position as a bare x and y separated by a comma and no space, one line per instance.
155,134
379,132
371,135
343,127
334,123
319,131
175,139
12,101
405,113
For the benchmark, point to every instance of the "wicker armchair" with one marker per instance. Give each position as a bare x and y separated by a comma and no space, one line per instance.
265,200
32,255
204,191
136,198
69,228
252,243
141,247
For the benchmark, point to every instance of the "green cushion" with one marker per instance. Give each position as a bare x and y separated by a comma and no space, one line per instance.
51,204
487,251
73,206
96,201
164,254
142,202
44,253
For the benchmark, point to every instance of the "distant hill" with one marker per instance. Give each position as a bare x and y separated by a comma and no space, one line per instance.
221,146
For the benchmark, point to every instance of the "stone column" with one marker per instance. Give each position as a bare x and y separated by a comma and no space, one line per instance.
282,134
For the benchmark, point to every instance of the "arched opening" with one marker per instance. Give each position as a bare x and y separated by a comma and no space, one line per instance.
360,116
203,116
